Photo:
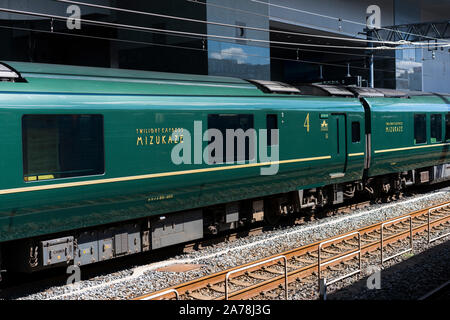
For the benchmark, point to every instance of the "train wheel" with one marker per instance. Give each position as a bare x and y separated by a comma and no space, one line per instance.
271,212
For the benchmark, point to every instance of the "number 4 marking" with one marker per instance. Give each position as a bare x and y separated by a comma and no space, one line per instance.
306,124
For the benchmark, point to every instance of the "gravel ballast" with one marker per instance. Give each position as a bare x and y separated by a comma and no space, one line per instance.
143,279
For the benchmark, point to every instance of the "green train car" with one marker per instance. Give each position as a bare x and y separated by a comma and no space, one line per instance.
88,172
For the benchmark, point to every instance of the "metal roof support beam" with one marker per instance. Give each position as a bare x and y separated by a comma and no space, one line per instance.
414,32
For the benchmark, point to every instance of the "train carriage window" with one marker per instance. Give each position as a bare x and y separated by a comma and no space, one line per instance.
436,128
222,122
420,129
272,124
447,127
62,146
356,132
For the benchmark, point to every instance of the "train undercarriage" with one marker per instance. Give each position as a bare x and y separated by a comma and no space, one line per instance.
108,242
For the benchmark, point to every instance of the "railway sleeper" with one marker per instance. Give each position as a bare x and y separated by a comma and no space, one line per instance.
217,288
274,270
240,283
351,242
441,212
303,261
293,266
198,296
259,276
371,236
331,252
344,247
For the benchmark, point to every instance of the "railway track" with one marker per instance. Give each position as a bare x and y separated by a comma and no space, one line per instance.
22,284
338,257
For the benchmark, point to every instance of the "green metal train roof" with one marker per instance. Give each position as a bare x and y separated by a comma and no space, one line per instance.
50,78
53,79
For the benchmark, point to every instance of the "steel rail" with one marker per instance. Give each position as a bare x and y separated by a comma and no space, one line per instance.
227,276
272,283
382,259
308,270
430,239
160,294
321,264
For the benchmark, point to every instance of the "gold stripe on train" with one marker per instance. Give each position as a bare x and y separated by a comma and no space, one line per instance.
154,175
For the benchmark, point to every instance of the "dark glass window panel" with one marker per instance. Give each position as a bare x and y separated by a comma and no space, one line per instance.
222,122
420,129
447,126
356,132
62,146
272,124
436,128
29,38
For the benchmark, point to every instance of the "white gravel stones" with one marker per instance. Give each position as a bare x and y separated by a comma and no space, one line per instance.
144,279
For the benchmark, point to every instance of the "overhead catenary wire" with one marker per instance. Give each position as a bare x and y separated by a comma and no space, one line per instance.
189,48
102,38
273,46
333,52
197,38
445,43
202,35
232,25
163,31
340,19
222,24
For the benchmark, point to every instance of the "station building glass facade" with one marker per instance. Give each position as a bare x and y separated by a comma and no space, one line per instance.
37,31
41,39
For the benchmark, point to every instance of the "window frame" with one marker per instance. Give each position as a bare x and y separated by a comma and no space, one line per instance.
439,115
359,131
425,128
269,141
251,117
24,141
447,127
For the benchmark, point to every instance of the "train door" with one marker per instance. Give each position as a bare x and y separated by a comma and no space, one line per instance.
340,146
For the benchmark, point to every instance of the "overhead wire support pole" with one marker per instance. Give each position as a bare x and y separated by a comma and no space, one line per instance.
372,72
369,33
